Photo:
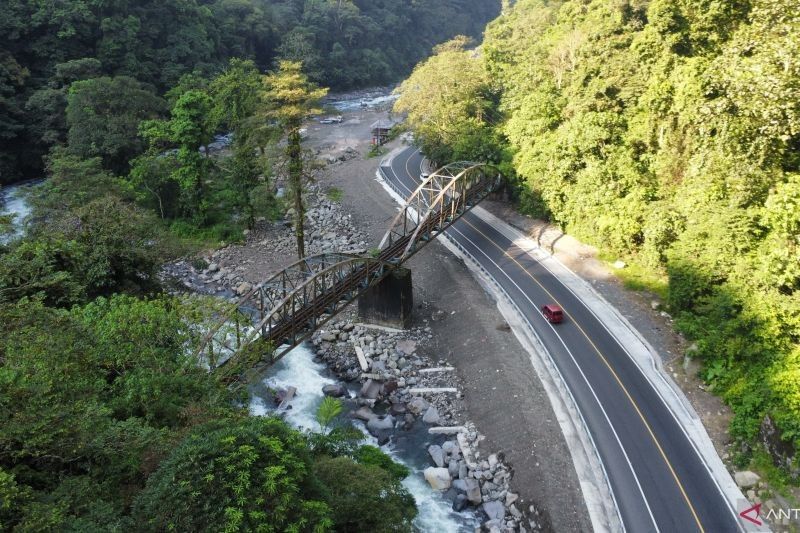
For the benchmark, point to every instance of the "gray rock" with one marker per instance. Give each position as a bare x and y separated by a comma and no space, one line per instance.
511,498
328,337
460,503
436,454
213,267
431,416
463,471
452,467
243,288
473,490
377,424
371,389
417,405
407,347
389,387
335,390
449,446
494,510
492,460
746,479
438,478
363,413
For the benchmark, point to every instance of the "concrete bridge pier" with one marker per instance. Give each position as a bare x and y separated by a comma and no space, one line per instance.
389,303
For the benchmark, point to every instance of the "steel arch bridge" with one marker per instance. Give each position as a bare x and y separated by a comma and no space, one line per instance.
289,306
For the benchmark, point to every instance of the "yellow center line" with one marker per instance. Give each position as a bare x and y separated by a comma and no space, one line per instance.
616,377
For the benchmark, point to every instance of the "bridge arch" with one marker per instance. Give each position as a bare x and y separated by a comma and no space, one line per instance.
290,305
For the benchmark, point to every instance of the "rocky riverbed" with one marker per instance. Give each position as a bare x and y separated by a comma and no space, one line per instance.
400,386
270,246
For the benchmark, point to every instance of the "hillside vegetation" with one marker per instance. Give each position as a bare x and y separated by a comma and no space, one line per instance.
343,44
666,132
109,420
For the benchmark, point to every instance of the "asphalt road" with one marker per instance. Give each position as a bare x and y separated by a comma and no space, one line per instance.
659,481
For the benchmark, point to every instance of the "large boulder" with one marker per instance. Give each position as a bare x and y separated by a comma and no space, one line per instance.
746,479
452,467
363,413
436,454
371,389
460,503
438,478
494,510
473,490
418,405
449,447
336,390
431,416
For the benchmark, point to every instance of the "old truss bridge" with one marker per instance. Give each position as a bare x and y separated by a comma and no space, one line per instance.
288,307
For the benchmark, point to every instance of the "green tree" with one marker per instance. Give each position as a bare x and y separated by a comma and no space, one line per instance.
291,98
96,249
450,104
365,497
191,127
258,473
103,116
237,103
327,411
665,132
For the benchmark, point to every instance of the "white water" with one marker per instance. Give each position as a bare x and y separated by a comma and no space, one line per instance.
298,369
12,202
351,103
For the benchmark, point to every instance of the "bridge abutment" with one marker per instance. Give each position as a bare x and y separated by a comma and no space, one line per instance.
389,303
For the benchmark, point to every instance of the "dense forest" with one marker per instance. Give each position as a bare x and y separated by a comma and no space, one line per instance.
110,422
343,44
666,132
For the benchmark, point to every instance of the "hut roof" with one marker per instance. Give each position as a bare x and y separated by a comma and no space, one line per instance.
382,125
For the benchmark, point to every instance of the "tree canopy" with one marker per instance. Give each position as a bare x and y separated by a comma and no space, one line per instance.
665,132
343,44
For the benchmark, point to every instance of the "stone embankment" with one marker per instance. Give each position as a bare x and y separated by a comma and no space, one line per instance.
401,387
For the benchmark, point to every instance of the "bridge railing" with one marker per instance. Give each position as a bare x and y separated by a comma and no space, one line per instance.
286,308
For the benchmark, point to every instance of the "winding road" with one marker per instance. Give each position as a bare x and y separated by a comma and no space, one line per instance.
658,479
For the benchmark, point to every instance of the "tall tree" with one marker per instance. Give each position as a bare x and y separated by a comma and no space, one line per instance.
190,128
236,100
291,98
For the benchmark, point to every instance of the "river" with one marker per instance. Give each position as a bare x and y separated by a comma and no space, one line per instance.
13,202
298,369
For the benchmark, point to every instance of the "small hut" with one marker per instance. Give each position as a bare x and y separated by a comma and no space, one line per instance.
380,131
